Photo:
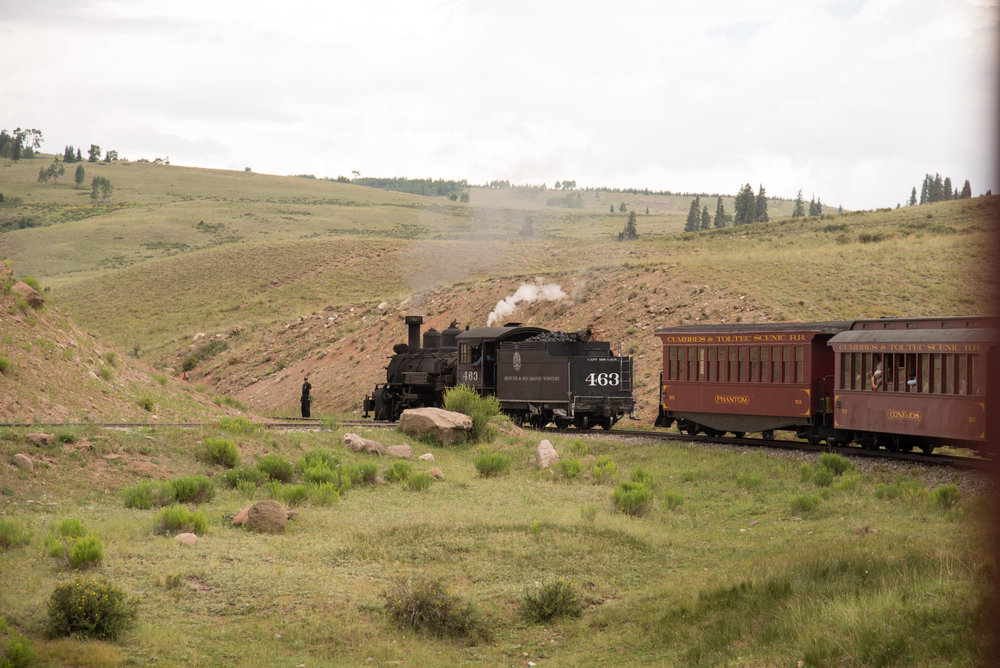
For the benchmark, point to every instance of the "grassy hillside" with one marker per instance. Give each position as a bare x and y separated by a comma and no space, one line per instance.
740,558
297,275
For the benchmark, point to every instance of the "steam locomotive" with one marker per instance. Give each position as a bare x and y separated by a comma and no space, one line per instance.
538,376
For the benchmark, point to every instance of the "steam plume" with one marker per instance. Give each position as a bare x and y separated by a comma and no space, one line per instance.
526,293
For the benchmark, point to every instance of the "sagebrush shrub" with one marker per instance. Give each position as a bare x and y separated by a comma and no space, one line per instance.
324,493
822,477
492,464
398,472
672,500
570,468
219,451
946,496
85,551
238,425
363,474
463,399
835,463
4,364
641,476
148,495
90,609
604,469
193,489
290,495
179,519
804,503
276,467
12,534
632,498
549,601
418,482
319,458
424,604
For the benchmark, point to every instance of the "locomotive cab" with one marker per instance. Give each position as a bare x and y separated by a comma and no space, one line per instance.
477,354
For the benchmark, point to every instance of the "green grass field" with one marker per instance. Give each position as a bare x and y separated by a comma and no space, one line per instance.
742,559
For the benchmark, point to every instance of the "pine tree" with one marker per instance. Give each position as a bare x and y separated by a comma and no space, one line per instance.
937,189
629,232
706,219
693,223
743,207
913,197
800,207
80,175
720,214
966,190
79,156
947,189
68,155
760,207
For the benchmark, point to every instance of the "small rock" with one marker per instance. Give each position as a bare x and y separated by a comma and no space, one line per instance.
402,451
436,473
186,538
24,462
427,457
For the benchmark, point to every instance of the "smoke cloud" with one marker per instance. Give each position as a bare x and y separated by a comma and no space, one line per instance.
525,294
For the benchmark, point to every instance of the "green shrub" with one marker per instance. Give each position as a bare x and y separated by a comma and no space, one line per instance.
105,373
426,605
641,476
147,495
276,467
604,469
203,353
193,489
901,488
805,472
570,468
254,476
179,519
848,482
490,464
588,513
418,482
70,527
578,447
803,503
945,496
822,476
632,498
546,602
672,500
110,358
362,474
321,473
398,472
90,609
65,437
4,364
239,425
219,451
12,534
86,551
834,463
18,652
290,495
319,458
324,494
246,488
463,399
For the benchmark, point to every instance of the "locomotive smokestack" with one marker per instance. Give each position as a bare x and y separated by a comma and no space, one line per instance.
413,322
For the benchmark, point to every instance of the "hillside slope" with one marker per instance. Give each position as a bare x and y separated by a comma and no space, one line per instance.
52,371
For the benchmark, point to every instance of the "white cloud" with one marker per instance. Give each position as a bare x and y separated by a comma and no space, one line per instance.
686,95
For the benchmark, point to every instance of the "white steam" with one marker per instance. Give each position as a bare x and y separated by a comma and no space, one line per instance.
527,293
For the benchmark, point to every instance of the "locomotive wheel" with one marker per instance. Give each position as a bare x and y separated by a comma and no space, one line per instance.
927,448
767,435
691,429
562,423
738,434
605,423
813,440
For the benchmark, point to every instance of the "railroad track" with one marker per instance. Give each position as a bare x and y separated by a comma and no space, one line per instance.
281,422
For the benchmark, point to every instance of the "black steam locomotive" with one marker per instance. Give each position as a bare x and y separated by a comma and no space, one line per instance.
538,376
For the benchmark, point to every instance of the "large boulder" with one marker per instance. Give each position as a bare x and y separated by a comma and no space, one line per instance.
30,295
447,426
267,516
24,462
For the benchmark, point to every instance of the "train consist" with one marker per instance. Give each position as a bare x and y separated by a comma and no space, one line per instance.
538,377
893,383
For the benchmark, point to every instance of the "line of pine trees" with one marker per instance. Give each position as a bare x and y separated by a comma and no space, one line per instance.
815,207
936,189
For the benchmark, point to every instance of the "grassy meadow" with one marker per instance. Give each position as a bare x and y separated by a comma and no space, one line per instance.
742,558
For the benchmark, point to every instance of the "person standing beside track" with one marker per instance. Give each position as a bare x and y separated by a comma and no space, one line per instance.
306,399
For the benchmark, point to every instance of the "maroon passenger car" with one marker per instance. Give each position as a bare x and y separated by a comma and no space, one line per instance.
905,383
749,378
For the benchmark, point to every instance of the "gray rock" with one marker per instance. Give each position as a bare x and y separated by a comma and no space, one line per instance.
447,426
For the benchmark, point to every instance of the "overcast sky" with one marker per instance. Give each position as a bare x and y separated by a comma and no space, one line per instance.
849,100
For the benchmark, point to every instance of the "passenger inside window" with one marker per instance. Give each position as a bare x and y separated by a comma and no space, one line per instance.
877,377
